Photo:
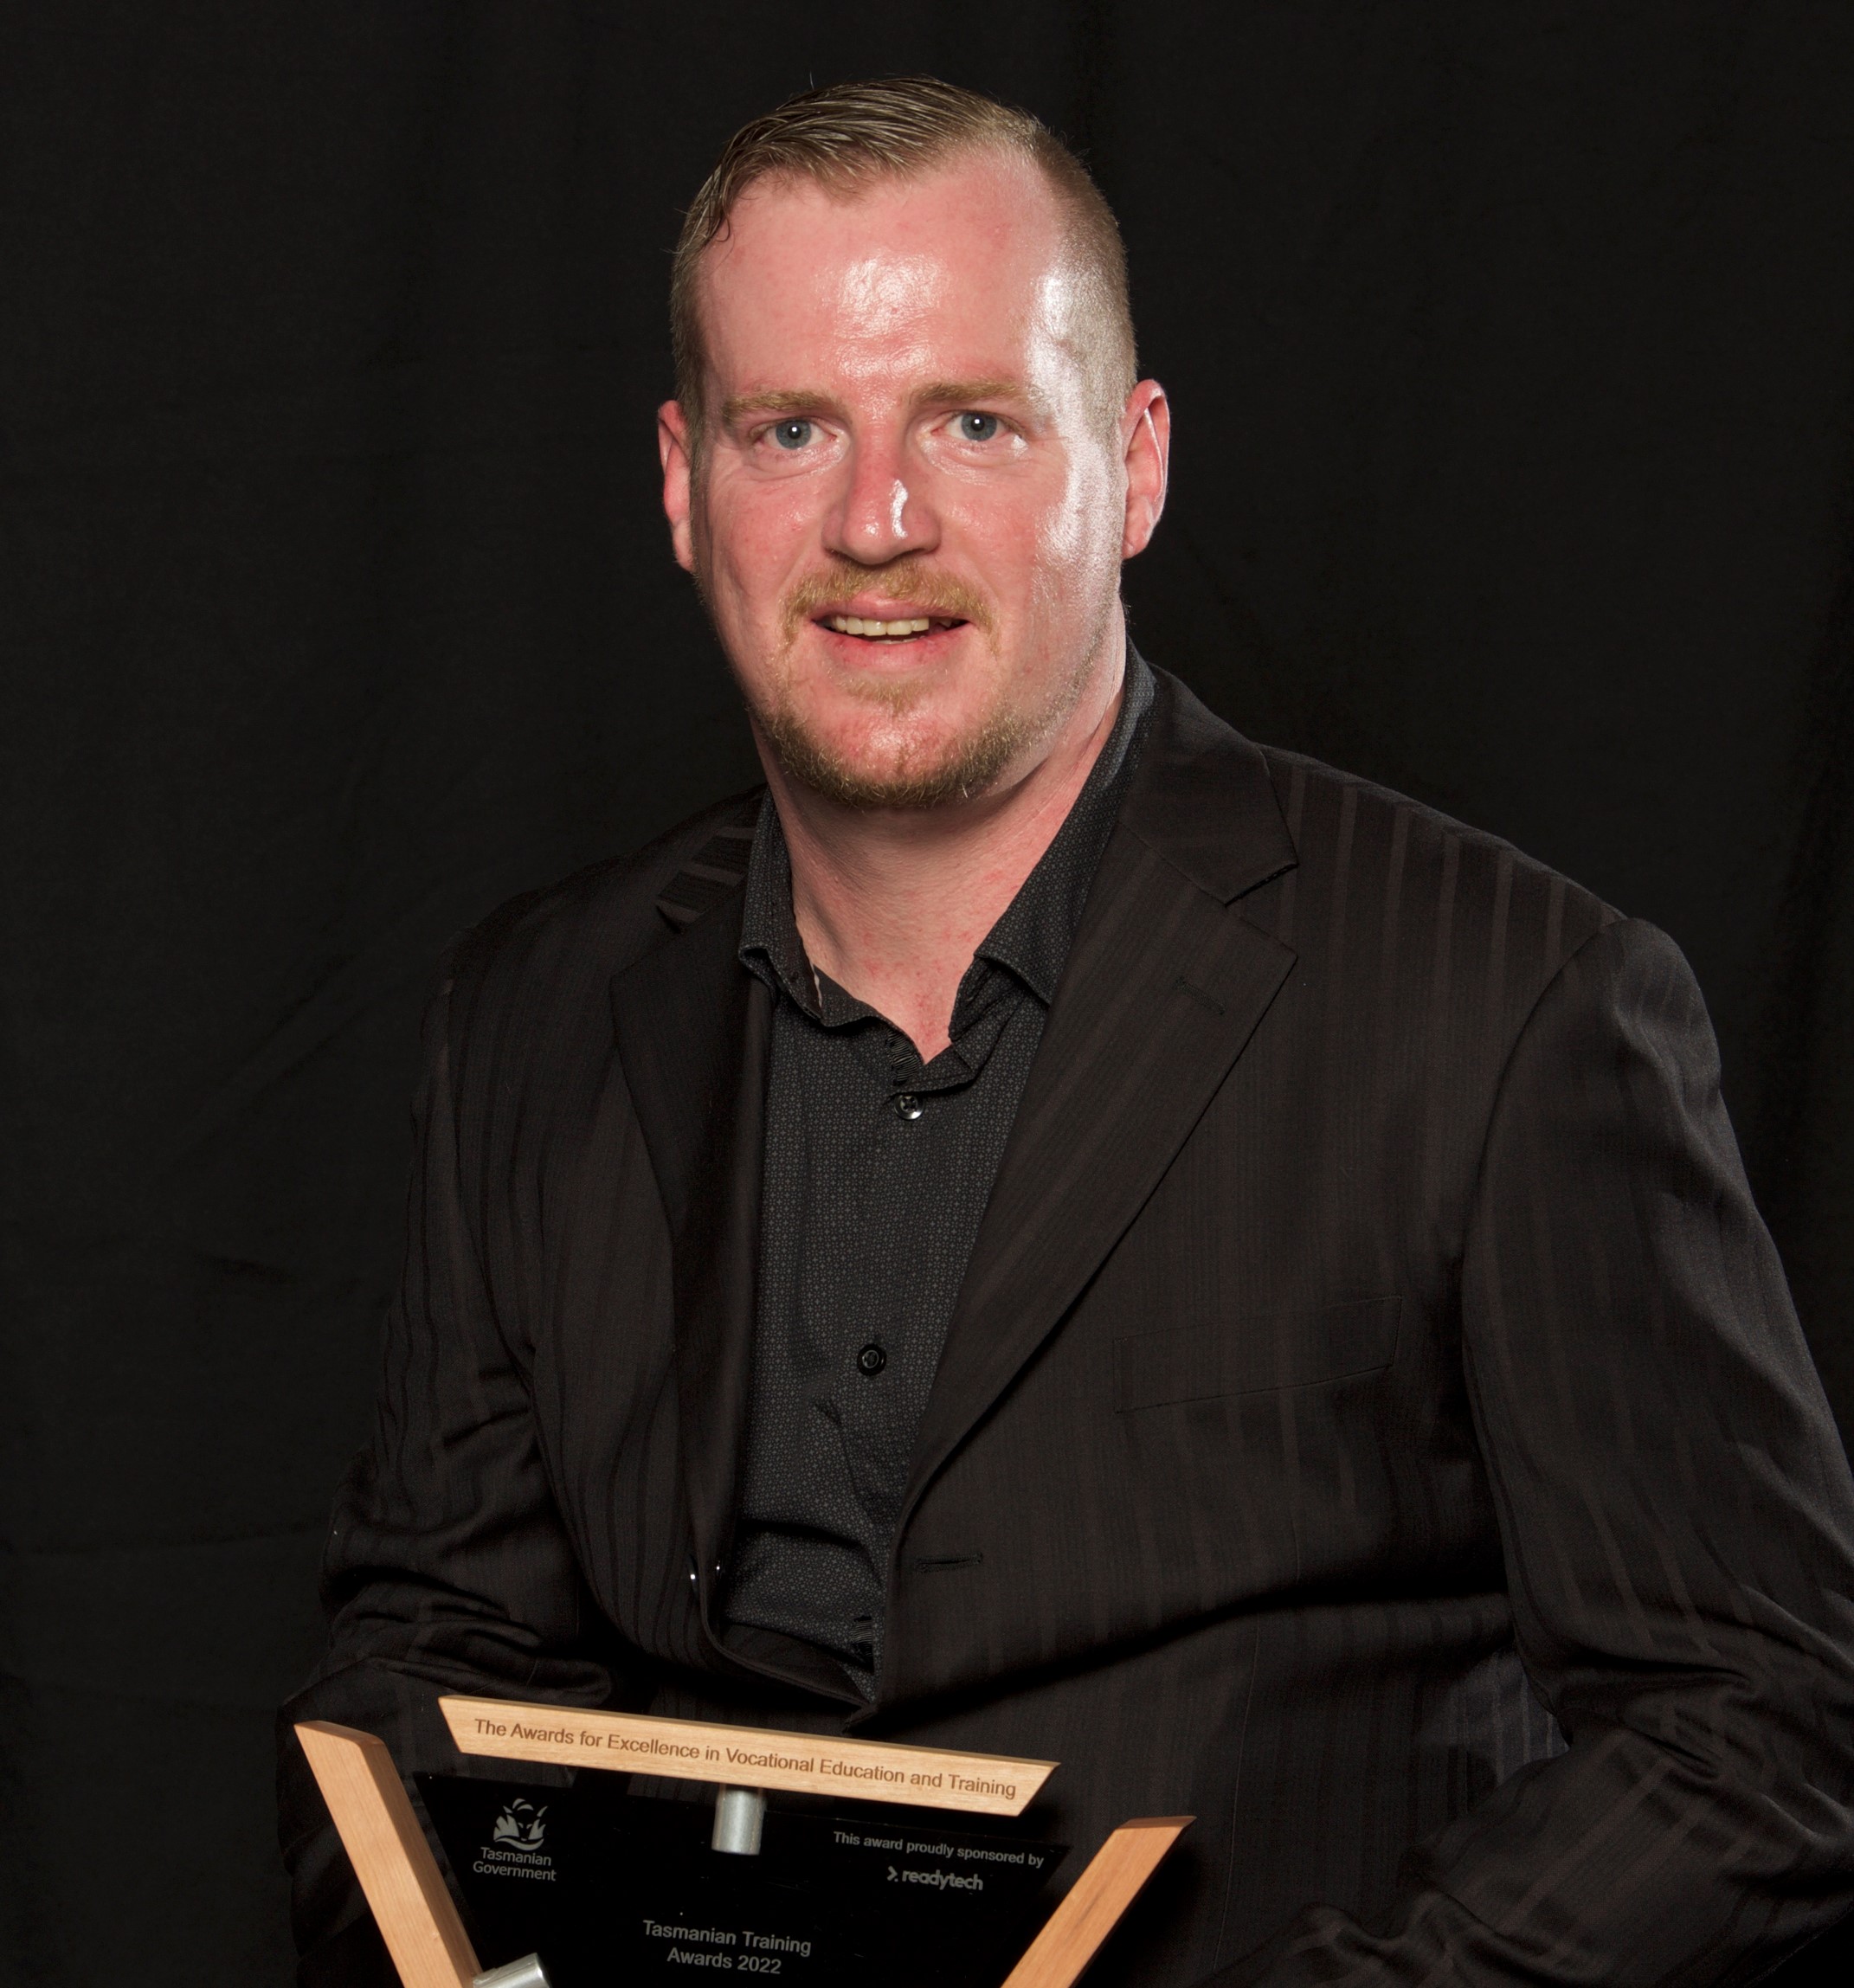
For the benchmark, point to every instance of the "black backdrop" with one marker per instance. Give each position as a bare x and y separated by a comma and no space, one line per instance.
1512,351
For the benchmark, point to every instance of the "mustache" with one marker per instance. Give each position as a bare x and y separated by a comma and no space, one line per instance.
911,579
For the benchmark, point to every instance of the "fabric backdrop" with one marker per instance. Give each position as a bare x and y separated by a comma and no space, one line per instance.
1512,353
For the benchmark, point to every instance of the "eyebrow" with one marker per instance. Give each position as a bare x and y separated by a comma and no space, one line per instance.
777,401
958,393
937,393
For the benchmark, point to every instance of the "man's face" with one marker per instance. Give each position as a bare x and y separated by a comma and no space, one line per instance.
912,505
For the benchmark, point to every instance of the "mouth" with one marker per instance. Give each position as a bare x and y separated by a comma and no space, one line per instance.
892,632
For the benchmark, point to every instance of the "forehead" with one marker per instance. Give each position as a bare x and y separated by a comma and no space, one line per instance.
965,267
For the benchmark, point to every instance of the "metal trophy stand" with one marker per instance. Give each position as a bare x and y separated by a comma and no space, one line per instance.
419,1920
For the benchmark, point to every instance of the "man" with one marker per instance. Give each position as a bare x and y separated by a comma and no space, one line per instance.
1059,1232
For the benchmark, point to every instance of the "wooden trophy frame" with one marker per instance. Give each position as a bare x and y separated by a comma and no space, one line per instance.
419,1920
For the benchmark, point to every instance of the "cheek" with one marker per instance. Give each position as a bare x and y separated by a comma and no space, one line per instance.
753,536
1041,533
1079,535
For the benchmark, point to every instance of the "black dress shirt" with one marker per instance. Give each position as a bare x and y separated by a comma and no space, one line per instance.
878,1169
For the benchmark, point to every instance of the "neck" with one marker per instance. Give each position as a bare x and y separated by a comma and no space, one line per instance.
893,903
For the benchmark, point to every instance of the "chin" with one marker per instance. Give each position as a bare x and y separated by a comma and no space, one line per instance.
870,766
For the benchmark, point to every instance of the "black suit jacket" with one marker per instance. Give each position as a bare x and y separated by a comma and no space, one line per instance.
1373,1420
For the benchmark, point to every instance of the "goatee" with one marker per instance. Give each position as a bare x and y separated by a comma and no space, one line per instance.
969,766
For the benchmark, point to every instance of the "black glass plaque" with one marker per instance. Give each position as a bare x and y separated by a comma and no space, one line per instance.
610,1887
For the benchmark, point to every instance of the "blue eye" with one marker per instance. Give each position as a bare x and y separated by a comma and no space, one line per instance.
794,434
977,427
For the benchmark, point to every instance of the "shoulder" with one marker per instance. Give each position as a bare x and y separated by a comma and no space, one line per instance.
1374,888
1369,852
582,930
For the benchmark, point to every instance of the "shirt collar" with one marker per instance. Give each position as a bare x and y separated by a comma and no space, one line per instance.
770,944
1032,937
1036,928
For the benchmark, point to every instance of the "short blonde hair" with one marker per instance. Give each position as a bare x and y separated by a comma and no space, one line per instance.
897,127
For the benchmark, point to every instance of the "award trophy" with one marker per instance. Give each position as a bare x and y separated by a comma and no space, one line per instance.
569,1887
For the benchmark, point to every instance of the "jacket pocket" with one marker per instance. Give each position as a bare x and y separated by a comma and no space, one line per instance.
1244,1355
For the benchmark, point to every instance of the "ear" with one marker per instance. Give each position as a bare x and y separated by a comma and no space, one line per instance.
676,456
1146,448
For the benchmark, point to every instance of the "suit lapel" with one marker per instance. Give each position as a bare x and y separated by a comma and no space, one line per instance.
1165,985
692,1037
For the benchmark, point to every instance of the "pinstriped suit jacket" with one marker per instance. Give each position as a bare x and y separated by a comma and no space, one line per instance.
1373,1420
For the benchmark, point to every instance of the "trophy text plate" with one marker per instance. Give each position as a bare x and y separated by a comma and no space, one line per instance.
610,1887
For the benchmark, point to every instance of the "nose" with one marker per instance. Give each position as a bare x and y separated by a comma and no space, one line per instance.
884,510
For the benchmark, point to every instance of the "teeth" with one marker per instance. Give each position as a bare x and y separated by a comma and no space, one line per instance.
855,625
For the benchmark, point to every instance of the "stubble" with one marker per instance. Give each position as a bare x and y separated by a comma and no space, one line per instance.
899,768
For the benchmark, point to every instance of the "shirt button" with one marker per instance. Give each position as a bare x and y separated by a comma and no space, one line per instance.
908,1105
871,1360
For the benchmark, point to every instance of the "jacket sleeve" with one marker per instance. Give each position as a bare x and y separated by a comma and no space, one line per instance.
1677,1524
448,1567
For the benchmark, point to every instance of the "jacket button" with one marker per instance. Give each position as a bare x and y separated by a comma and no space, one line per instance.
907,1105
871,1360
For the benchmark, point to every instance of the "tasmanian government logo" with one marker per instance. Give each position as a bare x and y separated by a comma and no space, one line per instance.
521,1826
515,1846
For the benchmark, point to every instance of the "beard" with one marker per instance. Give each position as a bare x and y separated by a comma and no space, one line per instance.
904,762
